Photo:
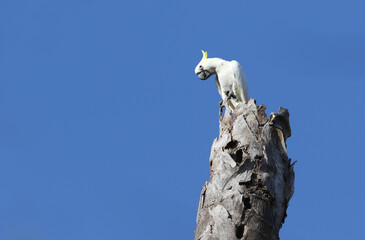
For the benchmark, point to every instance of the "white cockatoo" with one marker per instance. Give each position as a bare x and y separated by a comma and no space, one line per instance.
230,78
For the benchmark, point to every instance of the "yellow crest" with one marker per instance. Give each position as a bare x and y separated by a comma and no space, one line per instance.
205,55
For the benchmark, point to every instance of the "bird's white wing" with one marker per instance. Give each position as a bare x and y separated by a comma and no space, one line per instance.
241,82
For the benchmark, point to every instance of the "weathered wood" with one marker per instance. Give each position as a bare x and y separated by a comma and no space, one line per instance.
251,178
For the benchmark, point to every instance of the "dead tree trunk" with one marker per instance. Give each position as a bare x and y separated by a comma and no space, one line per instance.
251,178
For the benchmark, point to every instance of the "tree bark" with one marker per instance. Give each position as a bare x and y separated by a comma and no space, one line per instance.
251,178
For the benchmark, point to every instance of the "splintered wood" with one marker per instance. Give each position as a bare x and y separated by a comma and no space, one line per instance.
251,177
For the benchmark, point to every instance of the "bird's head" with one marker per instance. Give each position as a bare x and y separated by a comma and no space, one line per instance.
204,69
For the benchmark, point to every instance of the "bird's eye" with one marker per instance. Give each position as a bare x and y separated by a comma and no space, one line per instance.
200,67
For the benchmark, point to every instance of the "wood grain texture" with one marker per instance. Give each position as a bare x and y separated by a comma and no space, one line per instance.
251,177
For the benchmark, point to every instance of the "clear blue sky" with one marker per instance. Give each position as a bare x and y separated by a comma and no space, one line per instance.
105,131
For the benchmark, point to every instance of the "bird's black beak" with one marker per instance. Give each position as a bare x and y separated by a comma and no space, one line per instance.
203,75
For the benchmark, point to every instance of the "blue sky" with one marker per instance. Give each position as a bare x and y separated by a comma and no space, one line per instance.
105,131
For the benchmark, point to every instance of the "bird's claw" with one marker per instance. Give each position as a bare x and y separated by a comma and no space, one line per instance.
221,106
231,95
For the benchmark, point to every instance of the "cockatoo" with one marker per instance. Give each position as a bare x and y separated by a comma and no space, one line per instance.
230,78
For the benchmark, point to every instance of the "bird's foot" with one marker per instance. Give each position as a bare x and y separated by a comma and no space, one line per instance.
221,106
231,95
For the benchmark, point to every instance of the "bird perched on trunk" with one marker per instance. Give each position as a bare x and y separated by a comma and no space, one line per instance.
230,78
